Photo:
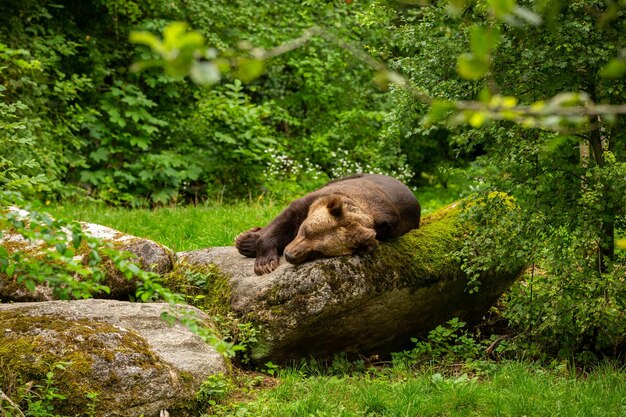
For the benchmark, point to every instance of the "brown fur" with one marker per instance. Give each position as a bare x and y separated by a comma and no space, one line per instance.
344,217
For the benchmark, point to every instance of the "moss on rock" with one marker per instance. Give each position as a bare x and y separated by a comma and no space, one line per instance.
370,304
92,354
125,353
204,286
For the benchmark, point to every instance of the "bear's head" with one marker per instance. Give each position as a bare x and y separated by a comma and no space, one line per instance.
334,226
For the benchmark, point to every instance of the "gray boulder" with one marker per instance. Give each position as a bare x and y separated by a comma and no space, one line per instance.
150,255
365,305
124,352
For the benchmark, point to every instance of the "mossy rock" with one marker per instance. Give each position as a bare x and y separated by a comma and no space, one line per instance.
150,255
124,353
371,304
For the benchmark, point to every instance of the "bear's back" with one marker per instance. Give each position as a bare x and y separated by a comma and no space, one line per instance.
372,186
380,193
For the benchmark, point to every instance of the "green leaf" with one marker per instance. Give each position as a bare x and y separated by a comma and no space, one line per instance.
30,285
77,239
61,248
249,69
100,155
472,67
616,68
552,144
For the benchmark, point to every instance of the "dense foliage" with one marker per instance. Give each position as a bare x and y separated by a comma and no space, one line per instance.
570,182
76,120
510,87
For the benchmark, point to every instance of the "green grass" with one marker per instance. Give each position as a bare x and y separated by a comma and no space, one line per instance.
513,389
212,224
179,228
509,389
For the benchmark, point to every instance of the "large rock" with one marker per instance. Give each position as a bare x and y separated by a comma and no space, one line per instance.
124,352
370,304
150,255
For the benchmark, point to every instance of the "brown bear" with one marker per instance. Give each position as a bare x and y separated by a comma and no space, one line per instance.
344,217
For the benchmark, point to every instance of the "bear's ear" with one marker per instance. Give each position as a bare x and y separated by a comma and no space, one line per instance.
335,206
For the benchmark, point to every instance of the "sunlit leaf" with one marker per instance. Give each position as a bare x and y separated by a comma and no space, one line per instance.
439,109
249,69
146,38
483,39
502,8
472,67
171,34
456,7
145,64
477,119
616,68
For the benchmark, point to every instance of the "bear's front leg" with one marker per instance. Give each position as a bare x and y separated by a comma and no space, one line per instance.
270,247
246,242
272,239
267,262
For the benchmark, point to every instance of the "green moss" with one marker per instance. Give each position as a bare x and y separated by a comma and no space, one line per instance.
425,255
204,286
31,345
416,260
187,377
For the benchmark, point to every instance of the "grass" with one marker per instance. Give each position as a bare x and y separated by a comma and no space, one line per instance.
211,224
179,228
512,389
506,389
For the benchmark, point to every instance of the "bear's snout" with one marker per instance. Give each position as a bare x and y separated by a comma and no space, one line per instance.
290,258
303,257
295,257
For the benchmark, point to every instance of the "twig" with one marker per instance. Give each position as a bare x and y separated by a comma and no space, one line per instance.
519,113
292,44
589,110
7,399
492,346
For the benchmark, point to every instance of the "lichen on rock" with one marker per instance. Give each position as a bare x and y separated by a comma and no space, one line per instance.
124,352
370,304
150,255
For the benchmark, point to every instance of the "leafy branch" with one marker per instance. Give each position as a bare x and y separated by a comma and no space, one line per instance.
44,251
183,52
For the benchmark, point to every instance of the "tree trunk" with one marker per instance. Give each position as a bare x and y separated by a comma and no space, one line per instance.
599,144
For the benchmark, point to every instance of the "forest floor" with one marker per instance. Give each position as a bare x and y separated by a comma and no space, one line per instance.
519,387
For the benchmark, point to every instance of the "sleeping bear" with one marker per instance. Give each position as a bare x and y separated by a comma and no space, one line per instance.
344,217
